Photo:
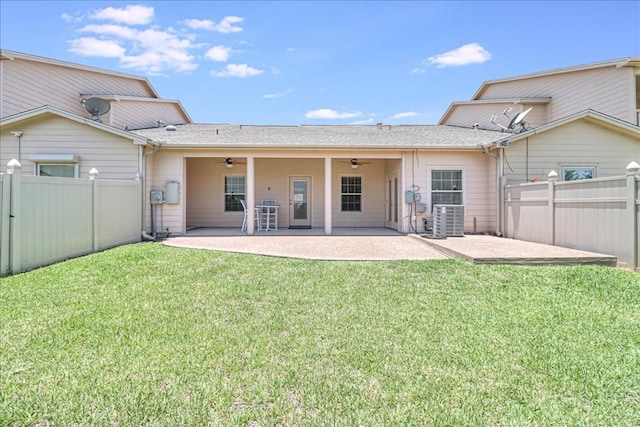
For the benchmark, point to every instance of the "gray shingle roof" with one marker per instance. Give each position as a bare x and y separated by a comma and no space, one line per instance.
306,136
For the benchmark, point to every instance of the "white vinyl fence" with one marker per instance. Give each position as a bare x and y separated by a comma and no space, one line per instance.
44,220
596,215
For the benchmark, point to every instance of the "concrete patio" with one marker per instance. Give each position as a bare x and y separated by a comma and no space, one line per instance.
373,244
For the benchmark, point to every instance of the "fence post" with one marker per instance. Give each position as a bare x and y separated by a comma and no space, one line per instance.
5,210
93,175
552,178
633,171
14,168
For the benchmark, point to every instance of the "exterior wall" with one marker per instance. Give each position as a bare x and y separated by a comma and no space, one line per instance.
28,84
373,195
201,190
607,90
466,115
113,156
144,114
580,143
479,185
163,167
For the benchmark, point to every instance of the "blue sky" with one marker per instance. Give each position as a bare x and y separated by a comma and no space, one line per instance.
322,62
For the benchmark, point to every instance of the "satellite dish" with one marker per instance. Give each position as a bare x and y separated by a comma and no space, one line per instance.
519,118
96,107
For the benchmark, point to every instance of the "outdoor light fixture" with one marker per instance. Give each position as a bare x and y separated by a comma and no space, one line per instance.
228,162
354,163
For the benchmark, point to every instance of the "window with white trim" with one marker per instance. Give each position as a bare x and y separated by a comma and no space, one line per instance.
574,173
57,169
446,187
351,194
57,165
234,191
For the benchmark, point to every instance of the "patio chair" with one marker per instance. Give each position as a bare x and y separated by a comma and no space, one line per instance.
269,214
256,217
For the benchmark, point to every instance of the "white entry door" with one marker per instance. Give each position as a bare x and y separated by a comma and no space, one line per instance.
300,202
392,202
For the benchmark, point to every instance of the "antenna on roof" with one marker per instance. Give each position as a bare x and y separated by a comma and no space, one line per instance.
96,107
518,119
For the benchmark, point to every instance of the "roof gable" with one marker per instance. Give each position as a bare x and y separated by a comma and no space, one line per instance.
591,115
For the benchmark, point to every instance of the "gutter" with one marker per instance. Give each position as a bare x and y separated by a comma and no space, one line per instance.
143,167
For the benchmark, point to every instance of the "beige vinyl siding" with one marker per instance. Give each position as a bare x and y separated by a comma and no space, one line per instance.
166,166
205,186
28,84
113,156
466,115
479,184
577,143
602,89
373,194
140,114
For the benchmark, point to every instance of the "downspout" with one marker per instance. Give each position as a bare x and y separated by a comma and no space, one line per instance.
156,147
499,174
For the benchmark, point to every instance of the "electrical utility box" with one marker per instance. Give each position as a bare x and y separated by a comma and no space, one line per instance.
157,197
171,192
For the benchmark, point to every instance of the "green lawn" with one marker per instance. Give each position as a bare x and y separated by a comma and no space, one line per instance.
146,335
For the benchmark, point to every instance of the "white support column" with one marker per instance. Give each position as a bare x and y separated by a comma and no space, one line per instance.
251,195
328,208
404,226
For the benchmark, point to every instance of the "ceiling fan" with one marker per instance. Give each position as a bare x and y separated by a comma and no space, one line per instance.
229,162
355,163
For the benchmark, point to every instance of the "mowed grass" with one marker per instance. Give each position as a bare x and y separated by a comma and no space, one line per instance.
147,335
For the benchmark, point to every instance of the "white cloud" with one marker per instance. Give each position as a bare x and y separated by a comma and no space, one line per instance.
326,113
110,30
69,18
277,95
238,70
90,46
225,26
418,71
125,33
130,15
471,53
218,53
404,115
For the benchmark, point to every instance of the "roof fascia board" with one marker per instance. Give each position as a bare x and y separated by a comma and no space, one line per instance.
166,145
47,109
629,61
11,55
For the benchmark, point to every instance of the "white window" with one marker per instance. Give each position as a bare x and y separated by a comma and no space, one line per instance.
58,165
351,194
574,173
234,191
446,187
